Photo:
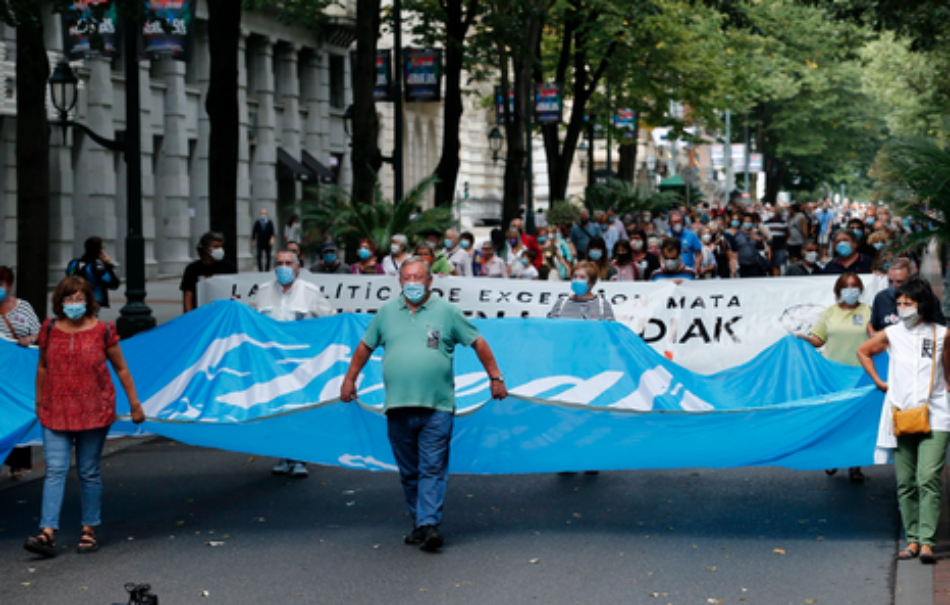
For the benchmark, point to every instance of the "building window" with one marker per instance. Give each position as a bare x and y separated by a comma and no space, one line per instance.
337,79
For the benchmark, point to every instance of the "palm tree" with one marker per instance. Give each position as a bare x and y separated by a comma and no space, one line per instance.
912,176
331,210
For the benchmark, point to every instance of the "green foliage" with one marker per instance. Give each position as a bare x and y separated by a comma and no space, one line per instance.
562,213
329,209
912,176
624,198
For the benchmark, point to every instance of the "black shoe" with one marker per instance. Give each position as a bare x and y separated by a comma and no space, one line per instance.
431,538
416,537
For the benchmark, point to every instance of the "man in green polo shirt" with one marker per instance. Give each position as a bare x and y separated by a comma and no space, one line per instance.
419,332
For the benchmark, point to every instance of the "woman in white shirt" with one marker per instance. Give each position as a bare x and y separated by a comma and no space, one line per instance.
917,371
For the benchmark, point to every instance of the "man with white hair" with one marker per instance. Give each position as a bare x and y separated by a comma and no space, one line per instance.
290,299
419,333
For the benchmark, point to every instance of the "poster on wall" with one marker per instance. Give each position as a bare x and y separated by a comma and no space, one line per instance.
90,28
548,104
168,34
500,104
423,74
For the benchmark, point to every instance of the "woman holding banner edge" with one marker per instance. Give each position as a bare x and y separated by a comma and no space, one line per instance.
841,329
915,378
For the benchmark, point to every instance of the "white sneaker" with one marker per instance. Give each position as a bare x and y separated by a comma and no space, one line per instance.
284,467
299,470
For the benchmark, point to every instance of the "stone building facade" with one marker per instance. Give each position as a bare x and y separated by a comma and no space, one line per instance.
294,88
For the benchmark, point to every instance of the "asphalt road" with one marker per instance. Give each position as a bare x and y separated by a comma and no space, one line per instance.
205,526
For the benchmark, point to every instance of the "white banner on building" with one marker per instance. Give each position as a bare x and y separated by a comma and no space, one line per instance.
705,326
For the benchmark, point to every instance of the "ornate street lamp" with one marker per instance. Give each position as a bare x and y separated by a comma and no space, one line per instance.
495,141
135,316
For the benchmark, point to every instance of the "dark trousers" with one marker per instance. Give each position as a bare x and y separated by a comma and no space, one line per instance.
420,439
261,250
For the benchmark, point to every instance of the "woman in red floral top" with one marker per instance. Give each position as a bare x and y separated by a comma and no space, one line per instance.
75,403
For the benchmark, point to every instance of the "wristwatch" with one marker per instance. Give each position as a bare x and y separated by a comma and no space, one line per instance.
499,378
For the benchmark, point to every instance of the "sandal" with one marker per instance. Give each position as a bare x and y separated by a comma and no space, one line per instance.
831,472
44,545
855,475
927,555
87,542
909,552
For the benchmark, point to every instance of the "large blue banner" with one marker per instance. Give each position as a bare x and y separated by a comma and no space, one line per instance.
583,396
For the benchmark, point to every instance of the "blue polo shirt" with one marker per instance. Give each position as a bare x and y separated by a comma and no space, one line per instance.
418,351
690,246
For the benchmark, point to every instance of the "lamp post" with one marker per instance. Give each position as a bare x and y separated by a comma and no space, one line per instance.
495,140
135,316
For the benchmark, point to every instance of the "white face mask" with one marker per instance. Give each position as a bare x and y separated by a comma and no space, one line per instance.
636,244
671,264
217,253
909,316
707,238
811,257
395,248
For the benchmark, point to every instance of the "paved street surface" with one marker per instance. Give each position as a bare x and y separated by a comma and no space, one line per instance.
188,520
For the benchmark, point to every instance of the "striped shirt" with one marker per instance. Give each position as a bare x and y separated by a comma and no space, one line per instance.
23,320
595,308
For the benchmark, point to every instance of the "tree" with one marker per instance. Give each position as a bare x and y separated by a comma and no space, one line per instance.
32,152
224,32
447,23
331,210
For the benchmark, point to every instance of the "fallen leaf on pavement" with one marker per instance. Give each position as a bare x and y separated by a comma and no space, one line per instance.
779,551
534,561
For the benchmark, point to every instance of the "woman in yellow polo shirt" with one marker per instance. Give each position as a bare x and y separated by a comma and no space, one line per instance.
841,329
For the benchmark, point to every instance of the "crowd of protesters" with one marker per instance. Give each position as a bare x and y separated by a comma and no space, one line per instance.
707,241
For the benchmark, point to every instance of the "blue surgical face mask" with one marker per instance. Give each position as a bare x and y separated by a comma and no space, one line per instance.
579,287
604,227
858,233
414,292
542,239
464,244
878,245
285,275
3,294
596,254
843,249
329,258
747,226
74,310
870,220
448,243
892,291
849,296
364,253
734,223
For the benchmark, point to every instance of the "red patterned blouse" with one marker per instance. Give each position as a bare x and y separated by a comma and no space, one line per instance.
78,394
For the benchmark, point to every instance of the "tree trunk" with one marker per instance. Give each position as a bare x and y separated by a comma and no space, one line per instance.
774,167
627,170
366,157
32,160
224,32
456,28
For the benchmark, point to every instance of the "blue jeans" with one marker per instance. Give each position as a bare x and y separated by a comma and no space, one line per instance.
420,438
57,447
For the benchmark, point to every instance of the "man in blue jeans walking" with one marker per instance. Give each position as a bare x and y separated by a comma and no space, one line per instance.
419,333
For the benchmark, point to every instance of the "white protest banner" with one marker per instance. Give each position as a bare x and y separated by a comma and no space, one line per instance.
705,326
